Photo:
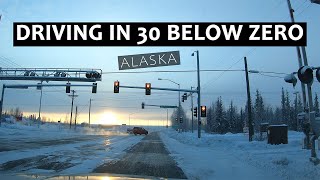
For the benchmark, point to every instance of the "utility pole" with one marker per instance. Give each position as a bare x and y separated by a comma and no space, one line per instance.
72,97
191,111
39,116
251,132
75,118
90,112
167,118
179,114
1,105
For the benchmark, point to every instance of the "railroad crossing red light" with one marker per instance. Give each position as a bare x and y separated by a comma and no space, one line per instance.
148,88
116,87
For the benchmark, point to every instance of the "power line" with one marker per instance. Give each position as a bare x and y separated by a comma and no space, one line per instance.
175,71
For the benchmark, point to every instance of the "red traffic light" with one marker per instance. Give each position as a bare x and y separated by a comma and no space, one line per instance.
203,111
116,87
148,88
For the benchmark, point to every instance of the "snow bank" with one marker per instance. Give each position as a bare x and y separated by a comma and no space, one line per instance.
235,154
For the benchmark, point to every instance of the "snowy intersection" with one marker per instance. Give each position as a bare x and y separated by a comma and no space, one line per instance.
51,150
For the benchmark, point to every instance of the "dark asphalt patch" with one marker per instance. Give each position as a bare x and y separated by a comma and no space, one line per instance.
148,157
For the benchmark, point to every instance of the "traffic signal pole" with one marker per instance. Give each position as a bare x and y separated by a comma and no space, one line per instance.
199,96
191,112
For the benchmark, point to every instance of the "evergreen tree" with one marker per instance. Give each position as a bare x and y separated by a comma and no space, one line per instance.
259,110
222,123
283,107
210,119
232,116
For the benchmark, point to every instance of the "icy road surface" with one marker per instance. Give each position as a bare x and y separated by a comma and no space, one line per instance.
55,151
149,158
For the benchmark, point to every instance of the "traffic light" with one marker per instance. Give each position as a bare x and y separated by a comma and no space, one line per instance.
142,105
184,97
203,111
181,121
116,87
94,87
176,119
195,111
305,74
39,87
68,88
148,88
318,74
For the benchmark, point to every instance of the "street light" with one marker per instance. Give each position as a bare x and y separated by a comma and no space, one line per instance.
160,79
199,93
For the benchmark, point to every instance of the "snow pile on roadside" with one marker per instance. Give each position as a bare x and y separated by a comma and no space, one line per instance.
236,156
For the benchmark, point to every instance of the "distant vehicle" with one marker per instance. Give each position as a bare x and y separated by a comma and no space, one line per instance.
139,130
129,130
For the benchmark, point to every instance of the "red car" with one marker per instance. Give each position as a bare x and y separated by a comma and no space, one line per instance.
139,130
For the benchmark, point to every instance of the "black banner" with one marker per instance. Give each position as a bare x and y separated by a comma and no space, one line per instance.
159,34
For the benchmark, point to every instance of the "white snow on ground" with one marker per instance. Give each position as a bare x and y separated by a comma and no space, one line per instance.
231,156
99,146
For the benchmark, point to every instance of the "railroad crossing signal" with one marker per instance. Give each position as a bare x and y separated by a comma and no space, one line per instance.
142,105
68,88
203,111
116,87
148,88
195,111
305,74
94,87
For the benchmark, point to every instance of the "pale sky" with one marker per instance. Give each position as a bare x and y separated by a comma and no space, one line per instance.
229,85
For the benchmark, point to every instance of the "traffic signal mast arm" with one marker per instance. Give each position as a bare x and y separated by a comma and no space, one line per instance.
161,106
163,89
25,86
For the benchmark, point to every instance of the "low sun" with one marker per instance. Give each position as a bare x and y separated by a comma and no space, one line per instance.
108,118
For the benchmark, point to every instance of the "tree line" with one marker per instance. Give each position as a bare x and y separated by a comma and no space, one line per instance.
223,118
